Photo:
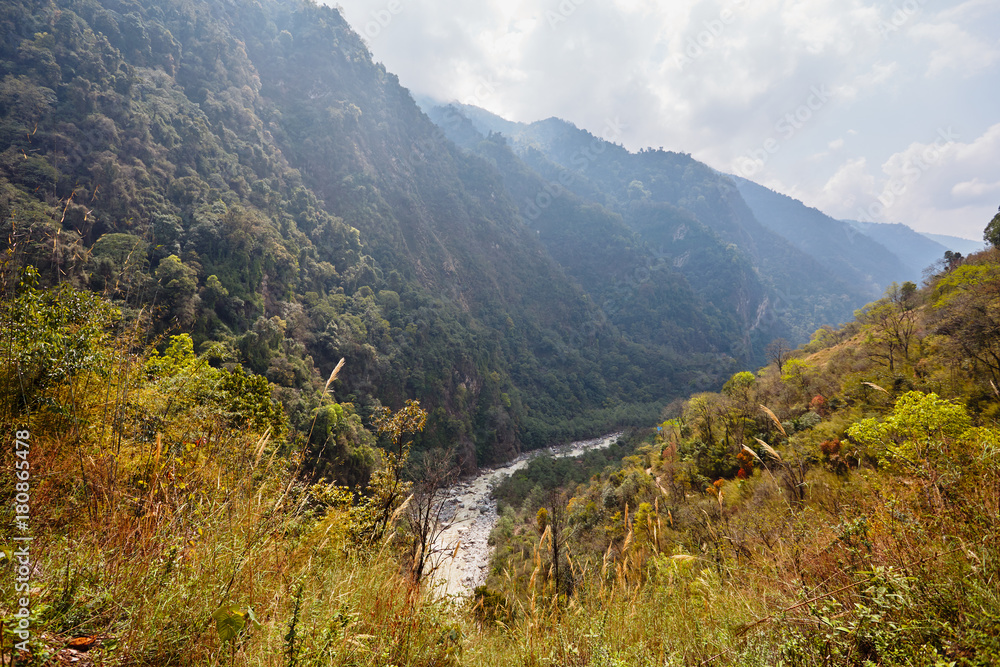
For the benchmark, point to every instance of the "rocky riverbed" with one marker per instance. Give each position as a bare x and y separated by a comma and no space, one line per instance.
470,514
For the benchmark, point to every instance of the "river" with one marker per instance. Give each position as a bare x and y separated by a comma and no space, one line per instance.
461,550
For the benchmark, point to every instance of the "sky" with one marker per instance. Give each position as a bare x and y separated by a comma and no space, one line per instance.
874,111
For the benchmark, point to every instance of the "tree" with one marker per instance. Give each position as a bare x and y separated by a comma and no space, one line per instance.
778,351
891,323
952,260
967,309
431,474
553,527
373,515
925,437
179,285
992,232
53,336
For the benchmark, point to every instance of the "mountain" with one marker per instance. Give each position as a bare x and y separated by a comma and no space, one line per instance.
837,245
642,290
957,243
244,172
686,212
916,251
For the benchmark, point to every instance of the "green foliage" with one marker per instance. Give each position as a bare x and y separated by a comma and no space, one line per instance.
916,433
992,232
248,399
795,371
491,608
546,473
372,518
231,620
968,315
740,385
54,336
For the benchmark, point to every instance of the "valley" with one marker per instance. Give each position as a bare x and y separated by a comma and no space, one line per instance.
266,312
470,515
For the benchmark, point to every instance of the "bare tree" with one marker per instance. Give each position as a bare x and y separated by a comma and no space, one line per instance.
554,522
778,352
434,471
891,323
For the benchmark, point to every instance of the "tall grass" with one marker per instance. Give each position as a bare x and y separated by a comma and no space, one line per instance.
150,513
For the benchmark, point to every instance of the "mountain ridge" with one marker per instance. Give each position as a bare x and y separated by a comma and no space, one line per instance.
591,167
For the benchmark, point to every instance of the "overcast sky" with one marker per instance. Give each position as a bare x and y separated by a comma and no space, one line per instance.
881,111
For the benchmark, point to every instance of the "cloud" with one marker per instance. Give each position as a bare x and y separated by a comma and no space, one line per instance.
718,78
975,191
957,50
918,185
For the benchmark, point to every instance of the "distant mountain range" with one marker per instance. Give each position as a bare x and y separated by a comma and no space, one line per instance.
765,262
957,243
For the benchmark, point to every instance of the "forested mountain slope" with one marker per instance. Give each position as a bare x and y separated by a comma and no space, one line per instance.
245,172
687,211
836,245
645,290
917,251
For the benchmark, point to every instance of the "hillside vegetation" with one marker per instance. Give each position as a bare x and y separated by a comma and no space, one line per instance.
840,506
245,173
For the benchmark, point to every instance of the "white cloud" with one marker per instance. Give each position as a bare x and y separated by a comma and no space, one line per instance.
957,50
716,78
918,185
975,190
851,185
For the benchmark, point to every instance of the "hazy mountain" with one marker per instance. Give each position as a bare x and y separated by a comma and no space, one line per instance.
917,251
640,288
687,212
957,243
837,245
246,173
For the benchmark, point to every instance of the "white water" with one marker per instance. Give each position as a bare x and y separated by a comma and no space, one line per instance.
461,553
